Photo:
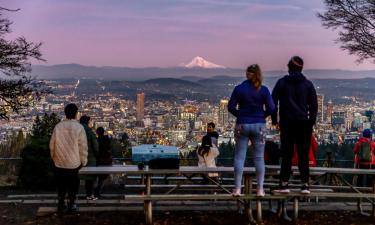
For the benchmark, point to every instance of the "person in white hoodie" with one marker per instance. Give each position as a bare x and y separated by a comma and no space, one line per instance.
208,151
68,146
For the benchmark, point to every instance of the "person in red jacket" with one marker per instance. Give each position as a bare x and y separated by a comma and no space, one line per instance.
359,162
312,153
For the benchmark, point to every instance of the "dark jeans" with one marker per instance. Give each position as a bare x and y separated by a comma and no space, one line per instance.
365,180
291,133
99,186
89,186
67,182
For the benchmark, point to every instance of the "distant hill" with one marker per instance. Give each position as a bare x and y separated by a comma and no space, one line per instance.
170,82
195,74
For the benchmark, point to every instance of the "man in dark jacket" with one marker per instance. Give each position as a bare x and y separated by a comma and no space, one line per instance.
93,151
104,158
296,98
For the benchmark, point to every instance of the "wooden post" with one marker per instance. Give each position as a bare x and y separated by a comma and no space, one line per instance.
247,191
148,203
295,208
259,210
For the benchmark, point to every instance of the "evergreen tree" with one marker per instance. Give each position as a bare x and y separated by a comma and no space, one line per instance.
37,167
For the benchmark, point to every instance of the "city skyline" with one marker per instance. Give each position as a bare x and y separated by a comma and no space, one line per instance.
166,33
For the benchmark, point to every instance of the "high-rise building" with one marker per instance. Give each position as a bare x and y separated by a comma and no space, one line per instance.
320,108
140,106
338,118
329,111
223,113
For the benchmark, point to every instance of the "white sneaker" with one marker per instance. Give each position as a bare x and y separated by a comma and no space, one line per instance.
305,189
282,189
92,197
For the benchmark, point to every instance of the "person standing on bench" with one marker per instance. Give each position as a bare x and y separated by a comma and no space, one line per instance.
364,156
250,97
208,151
295,96
68,146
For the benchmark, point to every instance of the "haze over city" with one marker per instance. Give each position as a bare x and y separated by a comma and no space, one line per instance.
167,33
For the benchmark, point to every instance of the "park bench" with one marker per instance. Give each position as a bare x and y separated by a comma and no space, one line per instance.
338,173
249,173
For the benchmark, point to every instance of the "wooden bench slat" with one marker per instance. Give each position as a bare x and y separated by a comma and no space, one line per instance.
198,197
327,194
132,169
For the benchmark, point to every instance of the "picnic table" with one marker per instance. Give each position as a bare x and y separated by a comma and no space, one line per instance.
245,199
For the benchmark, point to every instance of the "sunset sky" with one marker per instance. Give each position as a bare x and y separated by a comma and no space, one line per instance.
166,33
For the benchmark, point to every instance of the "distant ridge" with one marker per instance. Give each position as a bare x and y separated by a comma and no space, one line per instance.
169,81
64,71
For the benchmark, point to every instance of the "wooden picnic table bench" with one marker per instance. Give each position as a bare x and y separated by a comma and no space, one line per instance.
249,173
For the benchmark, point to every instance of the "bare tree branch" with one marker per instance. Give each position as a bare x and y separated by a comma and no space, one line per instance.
355,21
17,90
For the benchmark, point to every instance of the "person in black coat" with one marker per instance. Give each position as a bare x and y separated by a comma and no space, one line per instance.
298,106
104,157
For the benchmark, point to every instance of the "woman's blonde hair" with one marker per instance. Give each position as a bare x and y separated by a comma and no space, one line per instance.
257,78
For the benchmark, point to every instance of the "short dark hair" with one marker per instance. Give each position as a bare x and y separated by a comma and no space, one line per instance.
295,64
100,131
84,119
71,111
211,124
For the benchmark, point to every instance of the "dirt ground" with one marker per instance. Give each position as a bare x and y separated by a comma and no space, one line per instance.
18,214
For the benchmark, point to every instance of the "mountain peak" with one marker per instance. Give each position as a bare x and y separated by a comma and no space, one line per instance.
201,62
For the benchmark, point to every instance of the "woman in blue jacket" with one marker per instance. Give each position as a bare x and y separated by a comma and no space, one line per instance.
250,103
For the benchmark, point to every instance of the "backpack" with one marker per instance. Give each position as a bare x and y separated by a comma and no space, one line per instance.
365,152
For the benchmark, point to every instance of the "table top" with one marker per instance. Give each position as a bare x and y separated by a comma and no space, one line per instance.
132,169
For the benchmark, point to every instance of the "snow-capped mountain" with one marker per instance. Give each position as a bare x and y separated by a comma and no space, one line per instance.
202,63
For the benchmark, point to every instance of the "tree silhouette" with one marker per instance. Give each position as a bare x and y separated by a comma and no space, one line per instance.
37,167
18,90
355,21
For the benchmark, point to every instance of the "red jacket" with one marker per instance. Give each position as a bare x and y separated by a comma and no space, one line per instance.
312,152
357,147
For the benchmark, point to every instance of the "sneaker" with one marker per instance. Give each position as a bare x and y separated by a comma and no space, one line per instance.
305,189
72,208
236,192
92,197
282,189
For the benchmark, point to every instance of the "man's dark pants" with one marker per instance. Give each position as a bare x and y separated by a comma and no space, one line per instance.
67,182
291,133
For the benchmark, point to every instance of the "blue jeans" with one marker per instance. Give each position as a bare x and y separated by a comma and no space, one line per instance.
256,134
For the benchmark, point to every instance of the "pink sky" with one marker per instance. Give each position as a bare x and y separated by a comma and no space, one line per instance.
166,33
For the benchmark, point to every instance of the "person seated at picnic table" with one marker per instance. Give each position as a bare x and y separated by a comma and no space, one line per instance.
312,153
208,151
93,149
104,158
364,156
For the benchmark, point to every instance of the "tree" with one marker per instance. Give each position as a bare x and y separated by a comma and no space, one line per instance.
37,167
355,21
18,90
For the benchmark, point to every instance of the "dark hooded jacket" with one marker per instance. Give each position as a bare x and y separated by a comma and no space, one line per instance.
296,97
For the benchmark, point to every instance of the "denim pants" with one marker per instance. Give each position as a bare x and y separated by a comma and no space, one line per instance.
256,134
